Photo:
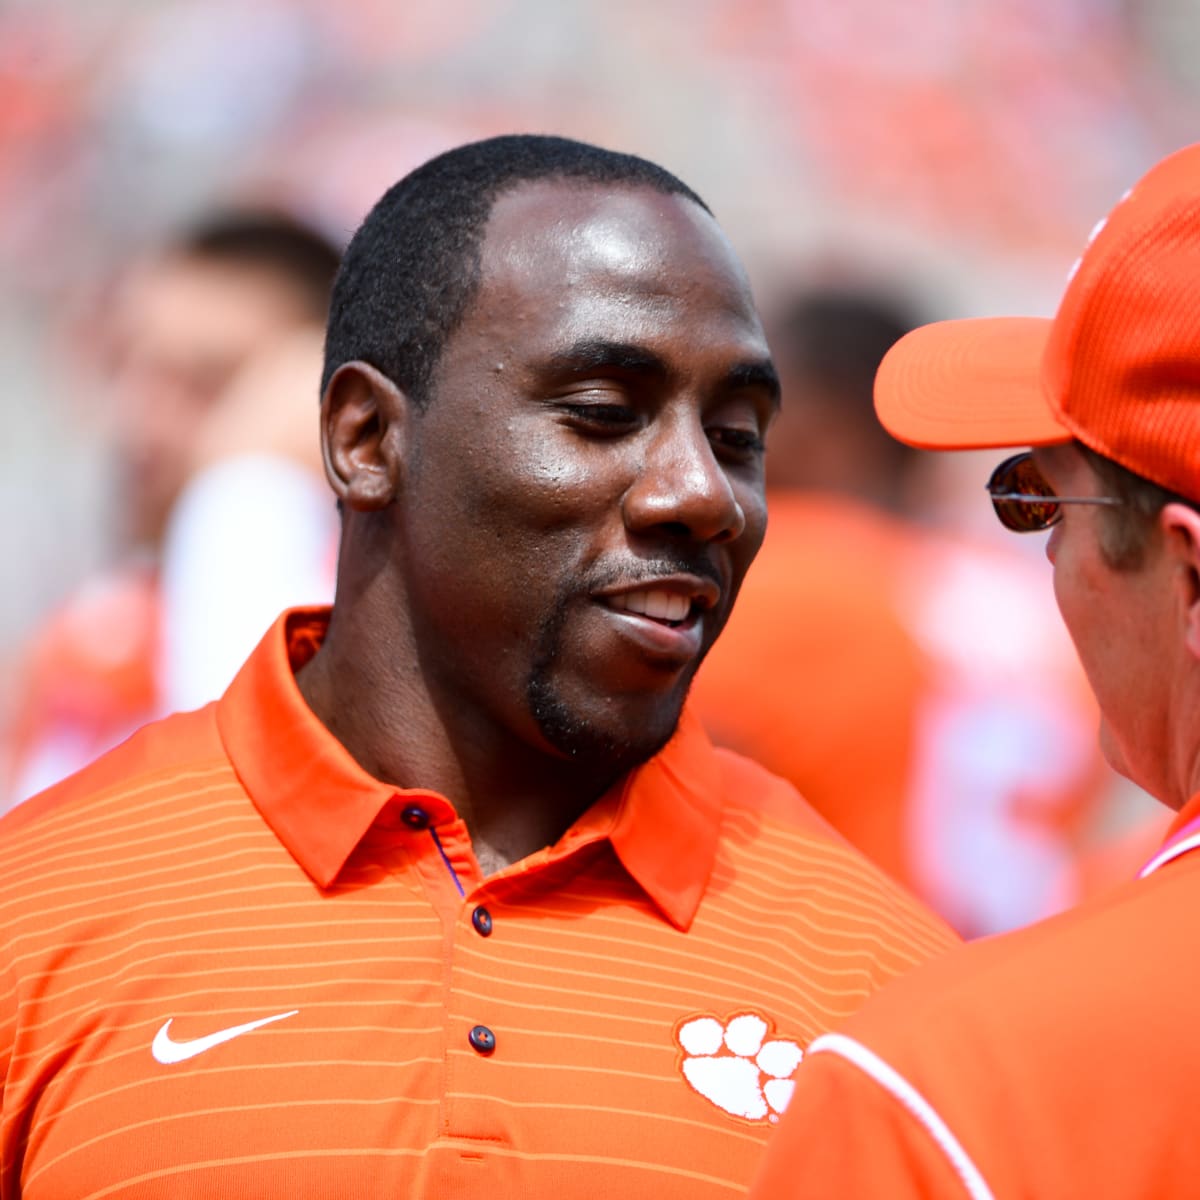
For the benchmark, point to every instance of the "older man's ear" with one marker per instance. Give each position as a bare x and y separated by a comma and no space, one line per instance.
1180,525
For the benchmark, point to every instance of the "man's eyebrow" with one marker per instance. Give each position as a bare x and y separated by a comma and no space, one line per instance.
756,375
593,354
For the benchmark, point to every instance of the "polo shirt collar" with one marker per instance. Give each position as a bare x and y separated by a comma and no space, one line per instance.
667,825
663,819
318,801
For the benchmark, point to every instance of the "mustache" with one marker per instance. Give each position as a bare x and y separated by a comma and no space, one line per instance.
648,570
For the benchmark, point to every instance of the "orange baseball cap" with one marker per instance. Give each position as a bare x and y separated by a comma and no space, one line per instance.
1118,367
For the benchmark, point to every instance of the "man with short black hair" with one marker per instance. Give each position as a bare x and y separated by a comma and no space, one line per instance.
1060,1060
449,894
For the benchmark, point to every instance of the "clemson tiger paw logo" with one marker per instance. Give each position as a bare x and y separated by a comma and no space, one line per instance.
737,1067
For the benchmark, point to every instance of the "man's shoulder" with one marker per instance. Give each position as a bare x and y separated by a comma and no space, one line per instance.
148,769
765,816
751,788
1057,1053
1105,961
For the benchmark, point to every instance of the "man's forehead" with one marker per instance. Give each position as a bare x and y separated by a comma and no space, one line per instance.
623,229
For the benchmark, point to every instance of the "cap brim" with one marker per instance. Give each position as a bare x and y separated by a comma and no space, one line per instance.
969,385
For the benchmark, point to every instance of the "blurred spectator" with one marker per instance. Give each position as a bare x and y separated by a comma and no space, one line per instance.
254,531
185,321
865,662
827,438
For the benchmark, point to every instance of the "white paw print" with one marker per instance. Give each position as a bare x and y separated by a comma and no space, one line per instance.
734,1067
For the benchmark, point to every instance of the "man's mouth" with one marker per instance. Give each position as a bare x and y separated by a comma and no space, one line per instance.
663,618
670,608
672,601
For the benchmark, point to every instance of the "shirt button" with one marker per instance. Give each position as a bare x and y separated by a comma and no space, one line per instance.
415,817
482,920
482,1039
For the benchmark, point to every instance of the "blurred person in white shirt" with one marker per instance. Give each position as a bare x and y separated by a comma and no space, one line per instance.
188,317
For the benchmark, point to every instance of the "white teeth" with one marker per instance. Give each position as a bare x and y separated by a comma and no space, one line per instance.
654,602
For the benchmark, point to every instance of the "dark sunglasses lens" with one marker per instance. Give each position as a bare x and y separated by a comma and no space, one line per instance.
1019,476
1024,517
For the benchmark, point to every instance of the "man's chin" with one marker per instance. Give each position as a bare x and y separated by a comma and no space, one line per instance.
611,743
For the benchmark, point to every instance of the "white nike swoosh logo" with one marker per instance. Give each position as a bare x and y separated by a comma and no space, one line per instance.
166,1050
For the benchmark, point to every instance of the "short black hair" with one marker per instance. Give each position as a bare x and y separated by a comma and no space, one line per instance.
412,269
265,240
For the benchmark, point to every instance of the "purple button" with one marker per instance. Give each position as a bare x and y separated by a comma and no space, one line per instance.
482,1039
415,817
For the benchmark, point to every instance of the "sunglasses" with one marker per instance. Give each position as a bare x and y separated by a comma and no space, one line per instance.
1024,501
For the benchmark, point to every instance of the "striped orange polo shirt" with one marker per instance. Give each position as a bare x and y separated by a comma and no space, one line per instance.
234,964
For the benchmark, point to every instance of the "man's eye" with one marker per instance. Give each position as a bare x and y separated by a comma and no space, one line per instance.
608,417
745,442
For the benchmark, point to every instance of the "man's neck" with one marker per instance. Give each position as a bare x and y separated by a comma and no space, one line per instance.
514,798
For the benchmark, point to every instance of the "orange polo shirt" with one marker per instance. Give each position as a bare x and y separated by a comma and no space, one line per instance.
234,964
1062,1060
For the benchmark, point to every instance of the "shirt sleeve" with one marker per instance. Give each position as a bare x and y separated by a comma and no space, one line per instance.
855,1129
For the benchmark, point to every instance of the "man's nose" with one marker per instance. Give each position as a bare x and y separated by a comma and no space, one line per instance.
681,485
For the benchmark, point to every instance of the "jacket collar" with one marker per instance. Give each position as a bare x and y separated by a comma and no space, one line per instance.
1182,837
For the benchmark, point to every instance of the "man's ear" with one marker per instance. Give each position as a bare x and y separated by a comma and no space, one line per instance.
1181,529
363,421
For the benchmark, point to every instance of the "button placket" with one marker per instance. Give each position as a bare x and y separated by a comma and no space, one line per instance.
481,1038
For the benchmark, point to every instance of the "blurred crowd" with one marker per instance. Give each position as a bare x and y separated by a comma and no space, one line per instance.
177,179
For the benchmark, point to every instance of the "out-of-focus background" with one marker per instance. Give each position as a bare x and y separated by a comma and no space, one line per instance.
949,157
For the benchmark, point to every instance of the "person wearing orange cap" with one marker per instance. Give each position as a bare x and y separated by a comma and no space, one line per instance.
1061,1059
